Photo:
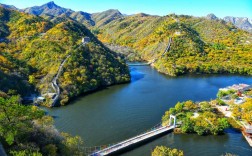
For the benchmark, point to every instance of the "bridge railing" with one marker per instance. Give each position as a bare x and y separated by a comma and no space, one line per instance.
92,150
97,150
101,149
132,140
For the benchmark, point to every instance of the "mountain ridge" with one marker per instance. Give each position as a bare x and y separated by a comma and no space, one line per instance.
91,19
85,18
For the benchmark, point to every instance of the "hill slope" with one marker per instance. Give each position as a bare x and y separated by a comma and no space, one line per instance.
41,46
106,17
199,45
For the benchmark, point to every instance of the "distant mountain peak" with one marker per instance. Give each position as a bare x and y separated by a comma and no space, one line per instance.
211,17
107,16
141,14
113,11
243,23
49,8
116,10
51,5
51,2
8,6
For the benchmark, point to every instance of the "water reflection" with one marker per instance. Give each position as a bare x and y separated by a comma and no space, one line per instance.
135,74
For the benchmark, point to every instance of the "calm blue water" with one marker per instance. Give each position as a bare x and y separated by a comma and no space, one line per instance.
122,111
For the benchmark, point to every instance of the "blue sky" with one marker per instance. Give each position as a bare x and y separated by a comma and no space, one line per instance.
221,8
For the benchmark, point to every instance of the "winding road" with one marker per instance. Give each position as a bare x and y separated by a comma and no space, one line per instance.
166,50
55,84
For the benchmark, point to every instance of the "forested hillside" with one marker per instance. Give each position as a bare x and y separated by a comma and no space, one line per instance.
32,49
199,45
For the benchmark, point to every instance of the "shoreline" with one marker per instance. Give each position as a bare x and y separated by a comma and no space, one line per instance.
249,140
91,91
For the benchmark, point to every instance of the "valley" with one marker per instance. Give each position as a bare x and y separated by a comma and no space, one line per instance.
104,77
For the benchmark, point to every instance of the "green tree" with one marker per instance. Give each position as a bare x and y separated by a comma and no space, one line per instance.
25,153
31,79
16,119
189,105
165,151
247,110
200,130
179,107
205,106
172,111
72,144
165,118
187,126
50,149
236,111
218,46
220,102
221,93
223,123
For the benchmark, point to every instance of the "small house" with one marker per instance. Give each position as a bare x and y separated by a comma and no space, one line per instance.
40,99
85,40
177,33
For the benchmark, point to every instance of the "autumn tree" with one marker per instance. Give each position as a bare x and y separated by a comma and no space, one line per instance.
247,110
189,105
165,151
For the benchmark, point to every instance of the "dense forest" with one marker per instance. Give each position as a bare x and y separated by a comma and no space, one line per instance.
32,49
26,130
199,45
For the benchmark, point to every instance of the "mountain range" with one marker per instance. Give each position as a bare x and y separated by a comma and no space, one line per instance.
51,11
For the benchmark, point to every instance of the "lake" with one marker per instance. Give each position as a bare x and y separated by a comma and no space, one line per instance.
123,111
